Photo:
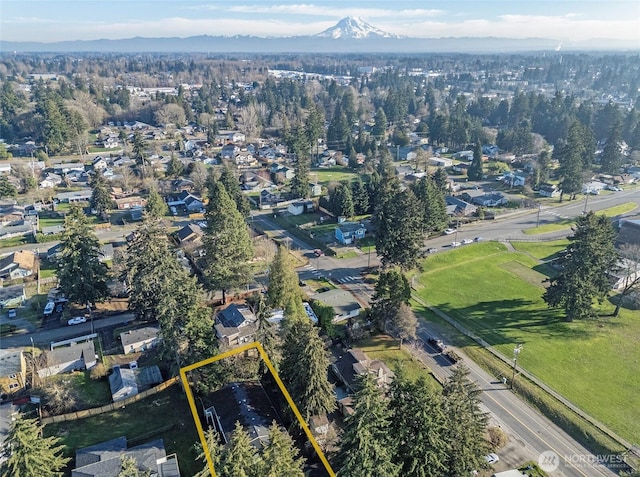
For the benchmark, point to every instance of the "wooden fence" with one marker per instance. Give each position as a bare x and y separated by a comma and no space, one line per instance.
72,416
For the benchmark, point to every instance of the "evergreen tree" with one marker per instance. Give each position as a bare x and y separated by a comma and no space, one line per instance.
368,445
304,369
299,144
227,243
280,455
465,424
7,189
81,274
341,201
100,196
589,258
419,427
476,171
399,236
432,203
314,129
29,454
129,468
441,180
138,151
156,208
241,459
266,333
391,290
215,452
612,158
175,168
360,197
231,184
380,125
283,281
575,156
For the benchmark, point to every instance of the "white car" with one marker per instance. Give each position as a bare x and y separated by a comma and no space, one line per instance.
466,241
491,458
449,231
77,320
455,244
614,188
49,307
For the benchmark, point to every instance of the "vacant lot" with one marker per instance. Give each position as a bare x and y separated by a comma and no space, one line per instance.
496,294
165,415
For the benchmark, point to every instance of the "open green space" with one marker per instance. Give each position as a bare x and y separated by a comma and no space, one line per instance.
568,223
332,174
89,392
386,349
591,363
541,250
164,415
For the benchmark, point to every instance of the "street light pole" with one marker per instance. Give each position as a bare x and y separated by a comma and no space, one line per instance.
516,352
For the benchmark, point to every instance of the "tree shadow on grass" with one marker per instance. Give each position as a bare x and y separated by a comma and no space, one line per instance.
510,321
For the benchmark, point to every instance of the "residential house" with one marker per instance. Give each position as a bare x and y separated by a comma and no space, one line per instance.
440,161
235,325
12,296
105,459
460,167
74,197
10,213
626,273
356,363
301,207
141,339
514,179
549,190
478,197
99,163
344,304
247,403
130,202
17,265
464,155
17,229
50,181
186,203
458,207
315,190
593,187
52,230
13,371
287,173
347,232
629,233
127,382
402,171
229,151
68,358
136,214
189,233
244,158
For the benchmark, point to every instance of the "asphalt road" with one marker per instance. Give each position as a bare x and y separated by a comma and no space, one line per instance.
530,433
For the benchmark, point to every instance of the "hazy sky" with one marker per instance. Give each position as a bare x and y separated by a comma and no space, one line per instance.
55,20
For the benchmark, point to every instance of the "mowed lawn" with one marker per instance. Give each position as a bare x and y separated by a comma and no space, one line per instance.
498,294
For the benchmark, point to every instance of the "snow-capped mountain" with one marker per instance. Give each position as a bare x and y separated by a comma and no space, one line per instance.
354,28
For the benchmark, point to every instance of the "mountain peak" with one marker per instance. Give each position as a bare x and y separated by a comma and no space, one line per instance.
354,28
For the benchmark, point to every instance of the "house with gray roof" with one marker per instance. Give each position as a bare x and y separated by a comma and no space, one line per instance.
68,358
134,341
13,371
343,302
12,296
105,459
235,325
356,363
127,382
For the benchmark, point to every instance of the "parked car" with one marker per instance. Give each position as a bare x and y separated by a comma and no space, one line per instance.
466,241
432,250
491,458
478,239
76,320
318,252
12,313
614,188
60,307
455,244
449,231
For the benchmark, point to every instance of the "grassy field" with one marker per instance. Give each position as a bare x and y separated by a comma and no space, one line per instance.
385,348
497,294
90,392
568,223
333,174
165,415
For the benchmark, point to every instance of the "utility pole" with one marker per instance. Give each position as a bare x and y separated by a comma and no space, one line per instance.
516,352
538,220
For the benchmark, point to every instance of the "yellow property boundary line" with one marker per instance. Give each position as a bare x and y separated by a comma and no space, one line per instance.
263,355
